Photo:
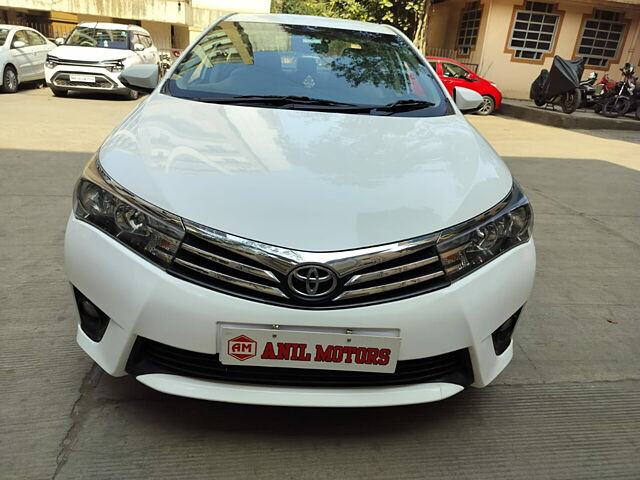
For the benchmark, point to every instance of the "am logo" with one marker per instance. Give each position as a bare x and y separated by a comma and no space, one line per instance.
242,347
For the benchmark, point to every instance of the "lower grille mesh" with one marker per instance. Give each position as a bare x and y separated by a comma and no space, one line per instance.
102,82
149,356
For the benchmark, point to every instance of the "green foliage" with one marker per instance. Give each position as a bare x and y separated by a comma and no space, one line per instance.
404,15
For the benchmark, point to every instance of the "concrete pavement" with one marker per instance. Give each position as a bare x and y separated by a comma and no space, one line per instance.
567,406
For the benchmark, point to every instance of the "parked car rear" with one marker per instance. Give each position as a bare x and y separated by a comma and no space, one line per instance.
454,74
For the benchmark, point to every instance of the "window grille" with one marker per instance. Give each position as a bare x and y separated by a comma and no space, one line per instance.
534,30
601,38
469,26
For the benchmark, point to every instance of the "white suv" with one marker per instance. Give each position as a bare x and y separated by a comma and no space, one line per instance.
93,56
300,214
23,52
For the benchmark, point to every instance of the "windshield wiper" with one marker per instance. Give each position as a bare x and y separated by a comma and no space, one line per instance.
278,100
403,106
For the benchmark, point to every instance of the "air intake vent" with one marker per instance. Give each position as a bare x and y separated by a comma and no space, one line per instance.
152,357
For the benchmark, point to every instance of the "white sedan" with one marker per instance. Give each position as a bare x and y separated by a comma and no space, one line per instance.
23,52
300,214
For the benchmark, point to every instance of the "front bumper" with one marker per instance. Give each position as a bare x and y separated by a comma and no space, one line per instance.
105,81
142,300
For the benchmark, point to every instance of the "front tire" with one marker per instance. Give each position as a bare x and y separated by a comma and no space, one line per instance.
9,80
570,100
540,103
59,92
132,94
488,106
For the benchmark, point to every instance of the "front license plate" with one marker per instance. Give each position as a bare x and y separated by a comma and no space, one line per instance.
82,78
308,349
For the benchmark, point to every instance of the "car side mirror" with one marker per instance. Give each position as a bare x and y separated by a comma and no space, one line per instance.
467,100
138,47
19,44
59,41
141,78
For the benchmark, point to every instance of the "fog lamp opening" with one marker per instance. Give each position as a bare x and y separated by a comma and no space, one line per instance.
502,336
93,321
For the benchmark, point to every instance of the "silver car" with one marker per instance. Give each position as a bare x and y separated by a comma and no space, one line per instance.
23,52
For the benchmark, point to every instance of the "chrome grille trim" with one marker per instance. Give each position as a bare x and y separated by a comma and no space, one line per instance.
261,272
229,279
266,274
378,274
282,260
385,288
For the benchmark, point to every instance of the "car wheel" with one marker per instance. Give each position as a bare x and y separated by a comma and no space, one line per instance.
133,95
488,105
9,80
638,113
59,92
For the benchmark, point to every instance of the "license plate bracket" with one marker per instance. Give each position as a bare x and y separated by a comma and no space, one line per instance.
309,349
82,78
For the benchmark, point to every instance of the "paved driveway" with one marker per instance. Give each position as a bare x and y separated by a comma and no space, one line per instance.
567,407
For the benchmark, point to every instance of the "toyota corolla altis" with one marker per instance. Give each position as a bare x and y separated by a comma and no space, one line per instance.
299,214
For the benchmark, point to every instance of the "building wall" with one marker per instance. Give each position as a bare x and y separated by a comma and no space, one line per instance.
188,18
513,77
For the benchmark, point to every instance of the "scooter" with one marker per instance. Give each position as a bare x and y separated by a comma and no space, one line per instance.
165,63
588,90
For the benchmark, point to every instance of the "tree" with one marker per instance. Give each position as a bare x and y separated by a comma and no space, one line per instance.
408,16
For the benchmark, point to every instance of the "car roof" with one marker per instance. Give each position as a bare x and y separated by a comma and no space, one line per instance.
312,21
443,59
18,26
112,26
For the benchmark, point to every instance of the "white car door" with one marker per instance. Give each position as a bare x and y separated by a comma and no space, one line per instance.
21,57
40,49
151,50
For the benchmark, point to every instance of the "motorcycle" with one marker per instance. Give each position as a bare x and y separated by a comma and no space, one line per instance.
603,92
560,85
625,95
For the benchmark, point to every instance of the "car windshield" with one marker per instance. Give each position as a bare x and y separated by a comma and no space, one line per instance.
306,64
4,33
98,37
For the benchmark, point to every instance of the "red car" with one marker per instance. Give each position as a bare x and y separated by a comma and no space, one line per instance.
454,74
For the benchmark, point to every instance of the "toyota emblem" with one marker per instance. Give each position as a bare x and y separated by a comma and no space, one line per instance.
312,281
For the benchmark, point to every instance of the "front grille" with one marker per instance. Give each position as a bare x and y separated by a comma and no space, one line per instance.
260,272
102,82
149,356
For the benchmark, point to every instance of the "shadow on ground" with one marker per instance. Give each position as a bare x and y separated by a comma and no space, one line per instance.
565,408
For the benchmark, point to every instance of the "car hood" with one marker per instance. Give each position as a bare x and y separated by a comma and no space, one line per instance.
305,180
89,54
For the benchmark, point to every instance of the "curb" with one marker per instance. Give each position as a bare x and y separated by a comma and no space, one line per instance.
562,120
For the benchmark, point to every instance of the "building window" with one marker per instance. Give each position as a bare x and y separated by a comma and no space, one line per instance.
534,30
470,18
601,38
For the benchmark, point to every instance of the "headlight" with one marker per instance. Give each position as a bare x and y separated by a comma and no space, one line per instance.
51,62
116,66
467,247
148,230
